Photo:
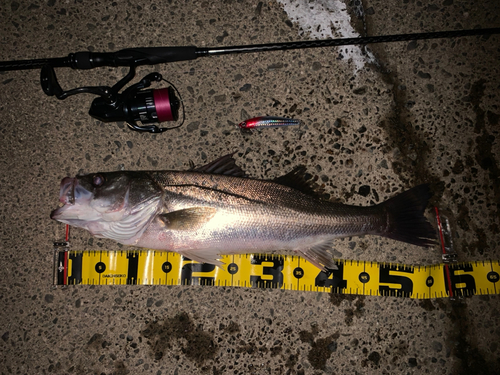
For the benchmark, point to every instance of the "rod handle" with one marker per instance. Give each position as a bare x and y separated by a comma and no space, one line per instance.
132,56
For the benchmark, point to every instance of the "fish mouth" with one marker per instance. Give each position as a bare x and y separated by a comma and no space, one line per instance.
67,190
69,193
66,196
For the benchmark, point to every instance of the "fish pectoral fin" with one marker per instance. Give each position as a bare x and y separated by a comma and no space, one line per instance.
319,256
189,218
204,256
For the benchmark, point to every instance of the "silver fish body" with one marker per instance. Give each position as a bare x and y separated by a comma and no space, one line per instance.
203,215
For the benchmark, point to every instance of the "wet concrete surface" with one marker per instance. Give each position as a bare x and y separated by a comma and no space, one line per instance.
427,111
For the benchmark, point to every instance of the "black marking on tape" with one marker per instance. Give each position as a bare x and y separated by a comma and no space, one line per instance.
332,278
232,268
405,288
364,277
188,269
275,271
100,267
429,281
298,273
61,268
166,267
133,267
76,268
457,278
493,277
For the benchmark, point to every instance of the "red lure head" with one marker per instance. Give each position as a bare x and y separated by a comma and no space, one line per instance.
250,124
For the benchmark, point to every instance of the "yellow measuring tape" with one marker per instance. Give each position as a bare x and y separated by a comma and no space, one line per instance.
150,267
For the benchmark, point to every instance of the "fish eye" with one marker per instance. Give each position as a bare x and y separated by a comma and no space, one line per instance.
97,180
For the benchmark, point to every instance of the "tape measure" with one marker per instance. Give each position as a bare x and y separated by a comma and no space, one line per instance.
150,267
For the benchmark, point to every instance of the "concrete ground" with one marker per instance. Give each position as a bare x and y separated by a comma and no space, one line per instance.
425,111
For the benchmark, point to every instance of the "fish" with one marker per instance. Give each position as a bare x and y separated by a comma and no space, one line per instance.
267,122
216,209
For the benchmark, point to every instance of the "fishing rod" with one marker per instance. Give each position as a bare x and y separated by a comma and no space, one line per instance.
152,106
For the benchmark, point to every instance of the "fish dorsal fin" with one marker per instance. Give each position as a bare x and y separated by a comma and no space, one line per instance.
225,165
299,180
319,255
189,218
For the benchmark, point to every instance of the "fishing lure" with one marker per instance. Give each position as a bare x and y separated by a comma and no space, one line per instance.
267,122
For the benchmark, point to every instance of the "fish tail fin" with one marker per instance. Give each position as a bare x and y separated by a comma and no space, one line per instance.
405,217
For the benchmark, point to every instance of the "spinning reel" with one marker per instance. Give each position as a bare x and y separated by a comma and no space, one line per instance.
132,105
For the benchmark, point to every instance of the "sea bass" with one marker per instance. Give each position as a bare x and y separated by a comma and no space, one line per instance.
216,210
